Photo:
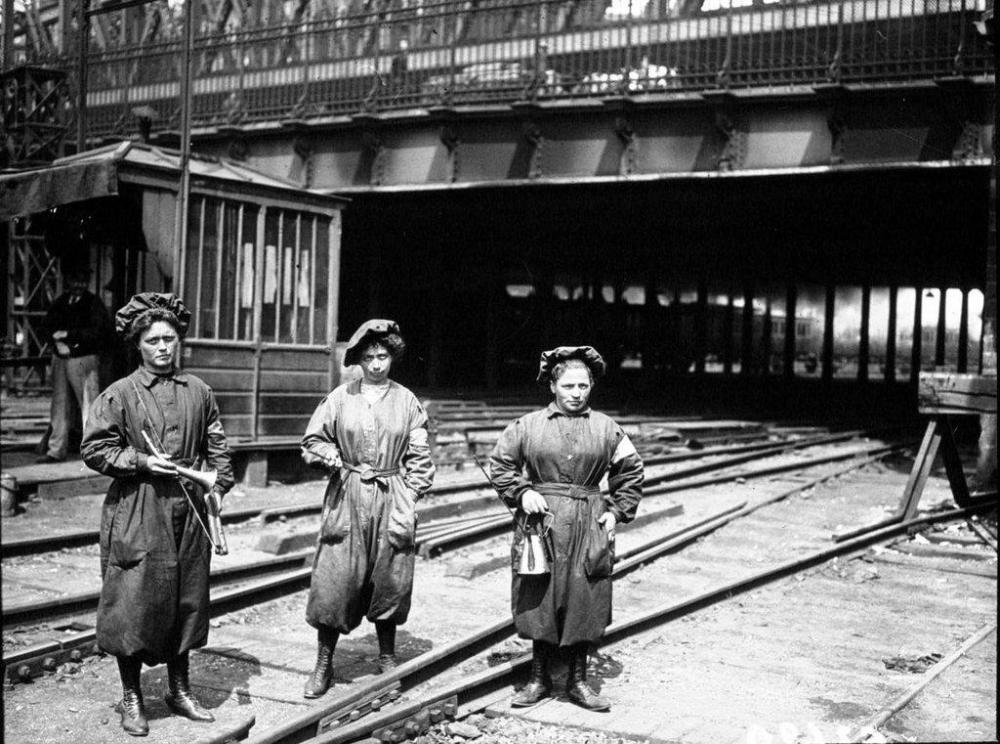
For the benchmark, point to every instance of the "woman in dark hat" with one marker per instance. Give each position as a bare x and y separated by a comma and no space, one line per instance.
371,434
550,463
155,550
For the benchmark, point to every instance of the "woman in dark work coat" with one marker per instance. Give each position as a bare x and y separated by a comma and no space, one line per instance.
372,435
154,550
550,463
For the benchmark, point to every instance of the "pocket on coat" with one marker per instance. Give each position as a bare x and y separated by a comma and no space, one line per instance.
126,536
402,526
599,557
336,521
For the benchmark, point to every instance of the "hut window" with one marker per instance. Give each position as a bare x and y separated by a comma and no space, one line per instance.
296,277
225,262
220,273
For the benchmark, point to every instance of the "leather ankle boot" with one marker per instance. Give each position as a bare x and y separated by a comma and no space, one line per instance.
130,707
577,688
319,681
540,683
386,633
180,700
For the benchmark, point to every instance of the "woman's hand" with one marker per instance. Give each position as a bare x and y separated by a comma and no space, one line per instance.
533,502
333,462
608,521
160,465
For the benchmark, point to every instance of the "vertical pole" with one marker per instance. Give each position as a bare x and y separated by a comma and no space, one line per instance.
828,334
746,346
864,345
791,328
918,335
963,333
333,296
942,329
81,76
8,35
184,189
727,336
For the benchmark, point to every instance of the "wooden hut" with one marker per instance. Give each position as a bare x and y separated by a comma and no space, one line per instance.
260,271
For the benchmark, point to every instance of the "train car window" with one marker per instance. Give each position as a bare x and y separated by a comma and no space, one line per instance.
905,310
810,318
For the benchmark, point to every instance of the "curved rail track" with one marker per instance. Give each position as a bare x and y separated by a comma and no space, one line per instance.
424,690
242,586
359,714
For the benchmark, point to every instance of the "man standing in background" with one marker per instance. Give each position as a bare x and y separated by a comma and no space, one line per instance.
79,328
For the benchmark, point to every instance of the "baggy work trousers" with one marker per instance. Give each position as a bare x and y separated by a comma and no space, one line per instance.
75,384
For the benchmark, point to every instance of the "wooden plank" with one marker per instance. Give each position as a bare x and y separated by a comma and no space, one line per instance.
294,381
289,404
197,355
312,360
222,379
951,393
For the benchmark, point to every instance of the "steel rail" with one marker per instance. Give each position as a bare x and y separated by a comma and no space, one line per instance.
496,677
49,609
34,545
760,472
756,454
869,729
459,535
426,665
46,543
46,656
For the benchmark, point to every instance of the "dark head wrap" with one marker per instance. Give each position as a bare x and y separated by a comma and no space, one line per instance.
369,332
146,301
586,354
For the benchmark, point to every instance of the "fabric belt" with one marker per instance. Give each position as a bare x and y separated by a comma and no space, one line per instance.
569,490
369,474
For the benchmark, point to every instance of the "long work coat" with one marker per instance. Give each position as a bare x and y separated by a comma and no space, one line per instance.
364,558
564,457
154,554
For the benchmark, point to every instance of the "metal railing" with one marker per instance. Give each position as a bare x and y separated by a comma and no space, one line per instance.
399,55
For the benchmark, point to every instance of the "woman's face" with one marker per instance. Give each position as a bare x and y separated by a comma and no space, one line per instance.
572,389
375,363
158,345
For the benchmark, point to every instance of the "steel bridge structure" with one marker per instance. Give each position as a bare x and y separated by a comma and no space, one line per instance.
314,60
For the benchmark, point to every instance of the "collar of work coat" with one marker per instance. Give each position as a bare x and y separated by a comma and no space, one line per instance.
554,410
148,379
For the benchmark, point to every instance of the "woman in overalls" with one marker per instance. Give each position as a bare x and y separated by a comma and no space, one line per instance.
371,434
549,464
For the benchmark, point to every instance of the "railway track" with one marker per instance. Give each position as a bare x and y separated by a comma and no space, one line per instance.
737,453
437,536
424,690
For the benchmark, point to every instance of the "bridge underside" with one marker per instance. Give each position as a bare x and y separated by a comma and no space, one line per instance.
698,133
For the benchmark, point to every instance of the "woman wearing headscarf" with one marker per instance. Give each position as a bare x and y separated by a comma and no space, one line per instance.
371,434
550,464
155,549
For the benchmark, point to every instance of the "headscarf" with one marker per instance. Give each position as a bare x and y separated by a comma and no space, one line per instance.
365,334
146,301
586,354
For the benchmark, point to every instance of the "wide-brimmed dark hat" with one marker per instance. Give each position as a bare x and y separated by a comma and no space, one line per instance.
586,354
146,301
368,332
